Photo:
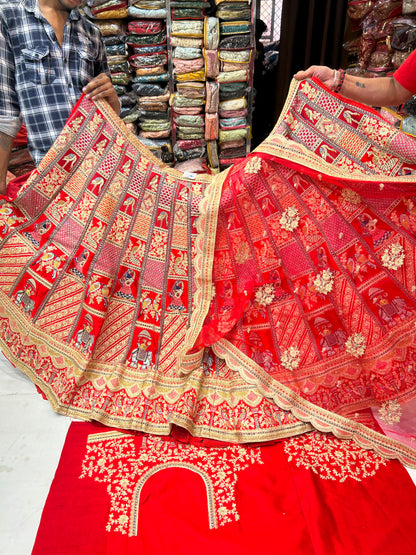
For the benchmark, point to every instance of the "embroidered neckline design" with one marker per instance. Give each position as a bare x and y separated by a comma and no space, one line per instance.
125,463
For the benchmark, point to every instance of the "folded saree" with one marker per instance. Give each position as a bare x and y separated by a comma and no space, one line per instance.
184,132
211,33
212,97
140,13
212,63
195,143
191,76
232,76
186,53
189,110
272,299
211,126
236,41
186,42
191,29
212,152
190,121
155,134
189,154
150,71
229,13
120,13
191,89
187,13
151,79
181,101
187,66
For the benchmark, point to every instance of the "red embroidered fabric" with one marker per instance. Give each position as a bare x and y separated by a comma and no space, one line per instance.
120,493
261,303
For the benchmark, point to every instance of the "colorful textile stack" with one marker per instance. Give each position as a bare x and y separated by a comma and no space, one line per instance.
147,38
108,9
189,72
201,58
147,9
234,78
109,16
136,46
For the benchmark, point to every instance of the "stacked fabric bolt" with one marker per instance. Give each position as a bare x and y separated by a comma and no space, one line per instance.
235,58
153,110
190,68
186,106
113,32
147,39
147,9
189,76
212,122
188,9
108,9
109,16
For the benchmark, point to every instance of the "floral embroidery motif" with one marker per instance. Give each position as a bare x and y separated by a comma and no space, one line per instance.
351,196
117,460
324,282
356,345
331,458
393,257
243,253
290,219
390,412
253,165
290,359
264,295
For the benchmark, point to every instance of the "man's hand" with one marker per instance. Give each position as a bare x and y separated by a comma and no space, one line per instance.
323,73
102,87
6,143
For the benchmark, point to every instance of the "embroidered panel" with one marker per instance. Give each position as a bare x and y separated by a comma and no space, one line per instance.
125,463
133,493
282,287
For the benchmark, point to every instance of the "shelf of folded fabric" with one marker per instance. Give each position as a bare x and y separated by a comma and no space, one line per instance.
183,72
136,46
188,84
148,40
235,79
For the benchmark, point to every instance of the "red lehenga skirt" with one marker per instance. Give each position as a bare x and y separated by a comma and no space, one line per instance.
275,298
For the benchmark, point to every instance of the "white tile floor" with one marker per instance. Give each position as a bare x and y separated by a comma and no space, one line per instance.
31,440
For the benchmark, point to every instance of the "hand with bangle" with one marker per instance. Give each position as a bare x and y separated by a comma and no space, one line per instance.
331,78
339,76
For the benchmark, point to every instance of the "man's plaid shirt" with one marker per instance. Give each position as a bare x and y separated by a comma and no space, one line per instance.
39,79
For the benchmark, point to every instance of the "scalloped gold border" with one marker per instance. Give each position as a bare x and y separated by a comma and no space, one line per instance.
321,419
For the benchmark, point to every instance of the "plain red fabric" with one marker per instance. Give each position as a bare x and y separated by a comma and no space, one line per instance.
282,508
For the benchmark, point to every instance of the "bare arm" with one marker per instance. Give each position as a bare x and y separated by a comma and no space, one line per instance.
380,91
6,143
102,87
